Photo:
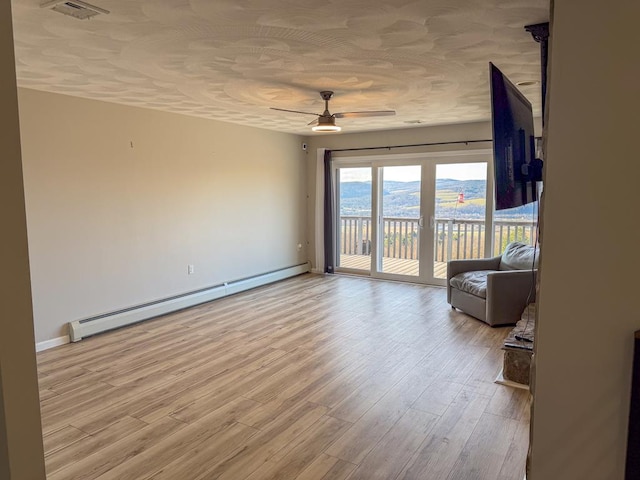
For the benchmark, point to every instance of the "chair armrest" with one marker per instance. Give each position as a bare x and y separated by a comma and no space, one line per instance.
454,267
508,293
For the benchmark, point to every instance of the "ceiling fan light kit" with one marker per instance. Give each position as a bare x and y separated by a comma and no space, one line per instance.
326,124
326,121
327,128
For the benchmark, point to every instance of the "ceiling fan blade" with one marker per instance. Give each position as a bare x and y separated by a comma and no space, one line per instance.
313,122
293,111
372,113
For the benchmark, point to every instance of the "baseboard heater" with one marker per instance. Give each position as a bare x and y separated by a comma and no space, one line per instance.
80,329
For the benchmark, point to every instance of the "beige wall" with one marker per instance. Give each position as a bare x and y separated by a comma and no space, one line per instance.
591,245
121,199
21,452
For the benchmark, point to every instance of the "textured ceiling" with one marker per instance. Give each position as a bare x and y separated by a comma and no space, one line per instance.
233,59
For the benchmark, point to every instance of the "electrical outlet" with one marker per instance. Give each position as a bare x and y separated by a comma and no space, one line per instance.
190,269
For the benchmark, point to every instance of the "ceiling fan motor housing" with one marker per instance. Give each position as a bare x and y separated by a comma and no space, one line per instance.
327,120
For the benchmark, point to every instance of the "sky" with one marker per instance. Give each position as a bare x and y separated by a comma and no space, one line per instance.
410,173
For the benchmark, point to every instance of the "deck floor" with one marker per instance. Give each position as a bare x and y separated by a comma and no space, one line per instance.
390,265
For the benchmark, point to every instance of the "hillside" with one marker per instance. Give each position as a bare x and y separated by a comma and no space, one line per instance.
401,199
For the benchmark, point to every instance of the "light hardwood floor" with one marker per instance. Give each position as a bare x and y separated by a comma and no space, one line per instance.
316,377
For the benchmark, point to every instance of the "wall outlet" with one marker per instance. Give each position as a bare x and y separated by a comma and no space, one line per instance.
190,269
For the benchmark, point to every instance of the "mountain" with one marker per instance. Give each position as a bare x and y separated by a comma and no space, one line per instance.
402,199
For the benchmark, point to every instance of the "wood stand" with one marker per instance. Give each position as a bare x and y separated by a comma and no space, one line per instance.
518,351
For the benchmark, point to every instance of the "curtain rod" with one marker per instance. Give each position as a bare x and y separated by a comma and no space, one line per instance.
466,142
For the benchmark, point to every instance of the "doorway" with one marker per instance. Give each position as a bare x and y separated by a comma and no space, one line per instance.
403,217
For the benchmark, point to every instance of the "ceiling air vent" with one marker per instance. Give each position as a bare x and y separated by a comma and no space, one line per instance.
74,8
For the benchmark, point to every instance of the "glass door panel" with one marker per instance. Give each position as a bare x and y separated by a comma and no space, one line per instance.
400,220
460,214
518,224
354,226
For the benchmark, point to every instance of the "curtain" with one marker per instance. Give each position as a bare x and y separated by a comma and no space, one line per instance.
329,212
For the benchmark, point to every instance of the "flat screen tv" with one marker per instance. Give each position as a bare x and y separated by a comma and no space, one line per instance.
516,169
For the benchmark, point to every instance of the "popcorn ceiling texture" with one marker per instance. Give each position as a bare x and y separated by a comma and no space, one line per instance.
231,60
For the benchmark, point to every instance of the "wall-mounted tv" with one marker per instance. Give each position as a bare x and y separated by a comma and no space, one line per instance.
515,167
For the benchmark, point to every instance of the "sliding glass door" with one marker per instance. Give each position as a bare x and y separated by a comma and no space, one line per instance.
355,227
460,214
379,223
400,221
382,207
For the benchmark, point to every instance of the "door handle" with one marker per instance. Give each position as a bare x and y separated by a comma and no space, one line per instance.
432,222
421,222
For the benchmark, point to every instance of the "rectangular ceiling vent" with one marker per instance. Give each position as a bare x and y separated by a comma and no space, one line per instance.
74,8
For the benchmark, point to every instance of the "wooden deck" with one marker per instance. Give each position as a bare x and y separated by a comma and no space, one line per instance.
390,265
316,377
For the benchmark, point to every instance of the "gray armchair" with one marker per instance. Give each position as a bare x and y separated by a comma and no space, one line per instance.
495,290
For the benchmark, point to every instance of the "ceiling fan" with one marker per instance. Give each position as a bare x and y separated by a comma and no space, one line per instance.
326,121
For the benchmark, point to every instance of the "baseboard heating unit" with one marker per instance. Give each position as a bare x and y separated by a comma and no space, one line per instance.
80,329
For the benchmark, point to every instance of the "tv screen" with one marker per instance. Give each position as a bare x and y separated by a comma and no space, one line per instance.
515,167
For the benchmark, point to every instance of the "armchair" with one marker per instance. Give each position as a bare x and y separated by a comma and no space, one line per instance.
495,290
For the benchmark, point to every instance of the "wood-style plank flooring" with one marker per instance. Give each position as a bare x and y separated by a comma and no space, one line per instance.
315,377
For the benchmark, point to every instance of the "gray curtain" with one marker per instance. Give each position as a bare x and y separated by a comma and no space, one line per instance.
329,210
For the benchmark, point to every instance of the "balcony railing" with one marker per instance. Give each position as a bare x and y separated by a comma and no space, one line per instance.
455,239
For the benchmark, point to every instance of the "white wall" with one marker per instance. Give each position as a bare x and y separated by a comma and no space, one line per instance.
121,199
588,303
21,451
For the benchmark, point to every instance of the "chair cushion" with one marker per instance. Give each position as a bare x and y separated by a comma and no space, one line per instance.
474,282
519,256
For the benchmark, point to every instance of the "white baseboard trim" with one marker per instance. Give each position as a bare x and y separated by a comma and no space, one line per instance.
80,329
54,342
